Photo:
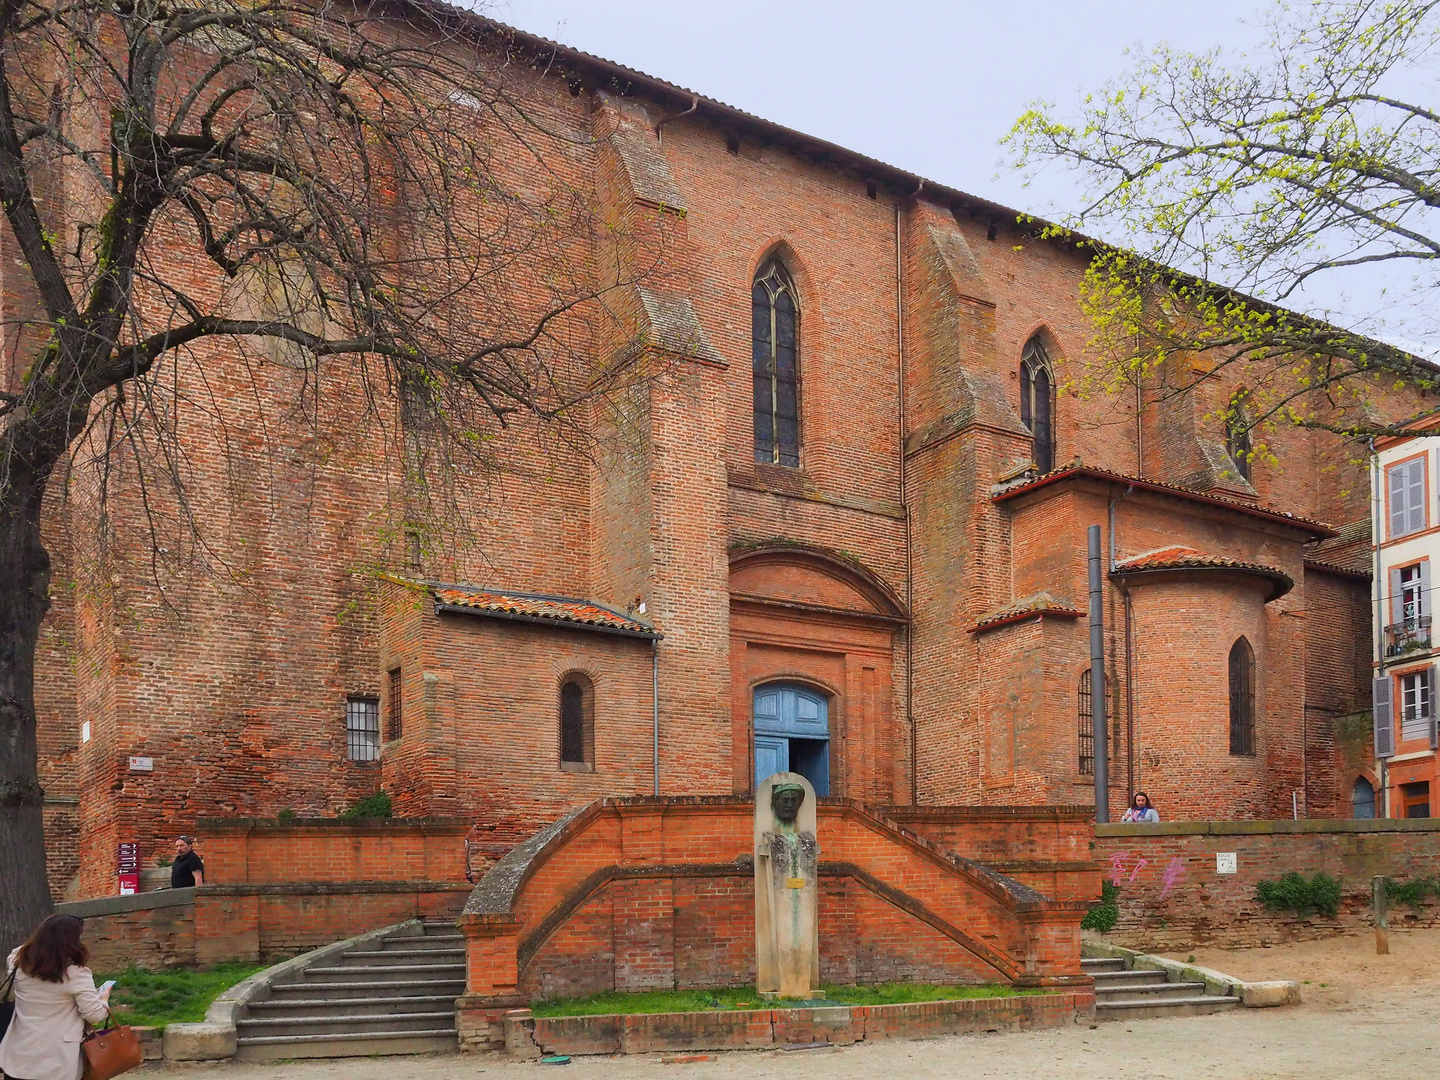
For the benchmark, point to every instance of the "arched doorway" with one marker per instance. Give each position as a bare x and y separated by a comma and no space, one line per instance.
792,733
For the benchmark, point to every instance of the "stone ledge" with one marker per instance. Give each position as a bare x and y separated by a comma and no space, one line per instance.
1279,826
528,1036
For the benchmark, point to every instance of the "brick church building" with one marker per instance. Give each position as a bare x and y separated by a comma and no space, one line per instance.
844,533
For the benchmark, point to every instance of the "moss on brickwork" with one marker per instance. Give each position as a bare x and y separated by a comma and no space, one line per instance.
745,997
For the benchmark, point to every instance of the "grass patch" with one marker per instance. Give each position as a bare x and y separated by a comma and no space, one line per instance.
172,996
745,997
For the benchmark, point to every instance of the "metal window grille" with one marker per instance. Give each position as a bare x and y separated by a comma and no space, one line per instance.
572,723
362,729
395,721
1087,725
1242,698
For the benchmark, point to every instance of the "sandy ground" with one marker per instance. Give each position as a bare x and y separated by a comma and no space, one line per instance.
1364,1016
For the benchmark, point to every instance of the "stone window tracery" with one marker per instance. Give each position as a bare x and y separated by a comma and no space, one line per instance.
1242,699
775,334
1037,402
1237,434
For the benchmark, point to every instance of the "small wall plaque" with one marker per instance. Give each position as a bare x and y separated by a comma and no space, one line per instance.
1226,863
142,764
85,731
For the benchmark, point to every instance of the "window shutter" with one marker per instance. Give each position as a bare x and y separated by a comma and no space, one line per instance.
1397,601
1425,588
1430,706
1397,493
1384,713
1415,499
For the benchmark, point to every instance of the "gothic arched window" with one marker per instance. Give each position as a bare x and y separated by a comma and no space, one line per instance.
1237,434
1242,698
775,331
577,723
1037,402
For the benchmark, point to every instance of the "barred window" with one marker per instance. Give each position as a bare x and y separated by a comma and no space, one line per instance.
1037,402
362,728
396,704
1087,725
1242,698
775,328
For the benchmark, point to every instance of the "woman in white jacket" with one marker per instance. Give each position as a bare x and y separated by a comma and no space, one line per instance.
54,996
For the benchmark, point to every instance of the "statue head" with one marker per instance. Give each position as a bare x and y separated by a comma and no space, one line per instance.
785,800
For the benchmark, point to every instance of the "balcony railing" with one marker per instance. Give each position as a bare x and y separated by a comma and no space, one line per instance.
1412,635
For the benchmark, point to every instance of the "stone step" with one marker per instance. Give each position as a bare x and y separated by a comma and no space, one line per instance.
1092,964
317,991
1150,992
1189,1006
378,1005
387,973
353,1044
408,955
1139,977
427,943
348,1023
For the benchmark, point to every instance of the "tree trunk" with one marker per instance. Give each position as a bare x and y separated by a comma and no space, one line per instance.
24,598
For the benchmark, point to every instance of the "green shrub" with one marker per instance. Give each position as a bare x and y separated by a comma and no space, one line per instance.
1412,892
286,815
1295,892
372,806
1104,915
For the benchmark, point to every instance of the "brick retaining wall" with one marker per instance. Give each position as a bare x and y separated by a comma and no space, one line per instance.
1171,896
252,923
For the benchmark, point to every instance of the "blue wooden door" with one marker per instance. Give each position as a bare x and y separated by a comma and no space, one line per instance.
792,711
772,755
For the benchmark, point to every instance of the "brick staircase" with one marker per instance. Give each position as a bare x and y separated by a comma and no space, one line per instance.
397,998
1123,994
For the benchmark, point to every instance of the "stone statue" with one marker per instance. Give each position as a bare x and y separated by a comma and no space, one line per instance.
787,934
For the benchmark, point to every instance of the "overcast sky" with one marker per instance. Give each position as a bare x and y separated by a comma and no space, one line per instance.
926,85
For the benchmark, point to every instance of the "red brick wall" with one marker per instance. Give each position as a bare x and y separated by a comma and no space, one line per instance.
278,852
1171,896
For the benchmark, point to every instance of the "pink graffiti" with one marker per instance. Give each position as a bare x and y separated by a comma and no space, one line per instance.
1117,866
1140,864
1174,875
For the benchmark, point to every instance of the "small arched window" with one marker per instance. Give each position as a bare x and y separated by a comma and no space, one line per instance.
577,723
1242,698
1037,402
774,335
1362,798
1237,434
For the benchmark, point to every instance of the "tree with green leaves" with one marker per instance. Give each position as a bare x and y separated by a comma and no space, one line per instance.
1234,185
298,204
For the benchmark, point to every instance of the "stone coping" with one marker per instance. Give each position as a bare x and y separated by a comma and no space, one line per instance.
215,826
1253,995
529,1036
988,813
214,1039
1268,827
163,898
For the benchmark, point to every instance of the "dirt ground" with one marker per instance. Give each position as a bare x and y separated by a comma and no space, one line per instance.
1364,1016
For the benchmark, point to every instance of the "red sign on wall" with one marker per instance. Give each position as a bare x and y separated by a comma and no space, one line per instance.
127,868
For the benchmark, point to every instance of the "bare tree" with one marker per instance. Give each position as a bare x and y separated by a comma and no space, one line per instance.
358,191
1318,163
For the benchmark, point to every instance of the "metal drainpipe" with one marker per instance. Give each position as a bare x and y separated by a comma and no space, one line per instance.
905,510
1099,714
655,702
1377,617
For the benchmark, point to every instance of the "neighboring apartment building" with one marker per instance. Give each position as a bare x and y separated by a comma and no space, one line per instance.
1407,546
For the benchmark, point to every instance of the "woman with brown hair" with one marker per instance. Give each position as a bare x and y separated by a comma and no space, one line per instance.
54,996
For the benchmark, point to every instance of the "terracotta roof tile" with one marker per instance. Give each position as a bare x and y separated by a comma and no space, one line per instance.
1177,557
1042,604
1008,491
539,607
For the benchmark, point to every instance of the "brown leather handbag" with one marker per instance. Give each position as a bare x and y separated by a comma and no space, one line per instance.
110,1050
